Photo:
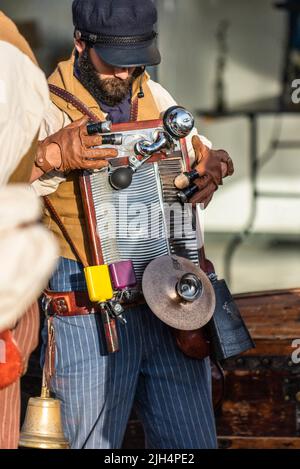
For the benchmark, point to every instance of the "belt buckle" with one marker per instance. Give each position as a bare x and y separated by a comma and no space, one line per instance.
46,302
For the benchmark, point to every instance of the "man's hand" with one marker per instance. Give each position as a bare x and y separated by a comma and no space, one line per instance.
72,148
212,166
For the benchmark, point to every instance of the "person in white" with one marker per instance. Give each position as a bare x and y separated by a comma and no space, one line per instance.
27,249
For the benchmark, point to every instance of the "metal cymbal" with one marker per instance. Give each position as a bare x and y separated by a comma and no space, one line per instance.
178,292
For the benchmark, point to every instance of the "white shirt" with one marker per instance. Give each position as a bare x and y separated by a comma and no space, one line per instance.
24,97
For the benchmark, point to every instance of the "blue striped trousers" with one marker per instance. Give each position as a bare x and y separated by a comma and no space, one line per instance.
170,392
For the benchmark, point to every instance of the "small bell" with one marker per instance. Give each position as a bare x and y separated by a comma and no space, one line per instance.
42,428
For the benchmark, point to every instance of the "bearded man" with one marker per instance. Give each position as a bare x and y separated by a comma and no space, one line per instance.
114,42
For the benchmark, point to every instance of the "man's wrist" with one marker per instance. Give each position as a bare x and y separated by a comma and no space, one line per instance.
53,155
48,157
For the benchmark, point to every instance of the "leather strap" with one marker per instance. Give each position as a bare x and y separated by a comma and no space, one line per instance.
70,98
76,303
64,230
81,107
134,110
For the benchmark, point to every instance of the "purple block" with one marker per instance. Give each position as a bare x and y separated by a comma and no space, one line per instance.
122,275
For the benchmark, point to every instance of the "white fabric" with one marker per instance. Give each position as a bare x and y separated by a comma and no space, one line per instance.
27,250
56,119
28,253
23,99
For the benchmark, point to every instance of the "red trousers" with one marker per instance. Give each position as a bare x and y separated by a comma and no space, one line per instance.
26,335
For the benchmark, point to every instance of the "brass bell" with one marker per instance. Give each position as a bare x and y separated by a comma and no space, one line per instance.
42,428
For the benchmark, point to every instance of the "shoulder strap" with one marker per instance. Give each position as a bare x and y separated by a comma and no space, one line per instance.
70,98
64,230
134,110
81,107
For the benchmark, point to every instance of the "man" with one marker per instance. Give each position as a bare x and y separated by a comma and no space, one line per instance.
114,42
27,250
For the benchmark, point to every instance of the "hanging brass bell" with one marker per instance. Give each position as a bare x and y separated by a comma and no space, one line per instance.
42,428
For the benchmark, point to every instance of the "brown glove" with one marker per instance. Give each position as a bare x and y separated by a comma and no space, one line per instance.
75,147
213,166
206,190
209,161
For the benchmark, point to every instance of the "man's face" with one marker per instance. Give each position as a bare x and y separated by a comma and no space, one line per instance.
106,83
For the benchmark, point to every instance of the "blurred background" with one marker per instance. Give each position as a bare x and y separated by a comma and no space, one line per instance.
232,64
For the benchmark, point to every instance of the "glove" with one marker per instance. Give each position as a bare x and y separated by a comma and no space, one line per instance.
75,148
206,190
209,161
212,166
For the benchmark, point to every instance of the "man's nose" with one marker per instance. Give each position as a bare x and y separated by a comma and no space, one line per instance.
121,73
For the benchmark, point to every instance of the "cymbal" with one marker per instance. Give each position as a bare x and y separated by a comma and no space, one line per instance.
178,292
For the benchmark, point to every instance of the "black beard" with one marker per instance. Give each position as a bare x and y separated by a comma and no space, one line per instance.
110,91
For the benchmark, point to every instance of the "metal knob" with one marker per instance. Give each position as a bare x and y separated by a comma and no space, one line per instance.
178,122
99,127
121,178
189,287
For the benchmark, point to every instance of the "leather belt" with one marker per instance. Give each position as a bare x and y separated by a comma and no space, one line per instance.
75,303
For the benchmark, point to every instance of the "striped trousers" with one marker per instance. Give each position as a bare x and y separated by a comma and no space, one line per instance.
170,392
26,335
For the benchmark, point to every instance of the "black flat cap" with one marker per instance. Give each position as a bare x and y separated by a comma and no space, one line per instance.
121,31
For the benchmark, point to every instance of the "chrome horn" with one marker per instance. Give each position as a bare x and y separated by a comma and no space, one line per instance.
177,124
147,148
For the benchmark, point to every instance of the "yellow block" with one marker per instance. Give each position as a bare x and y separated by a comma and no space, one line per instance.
99,283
